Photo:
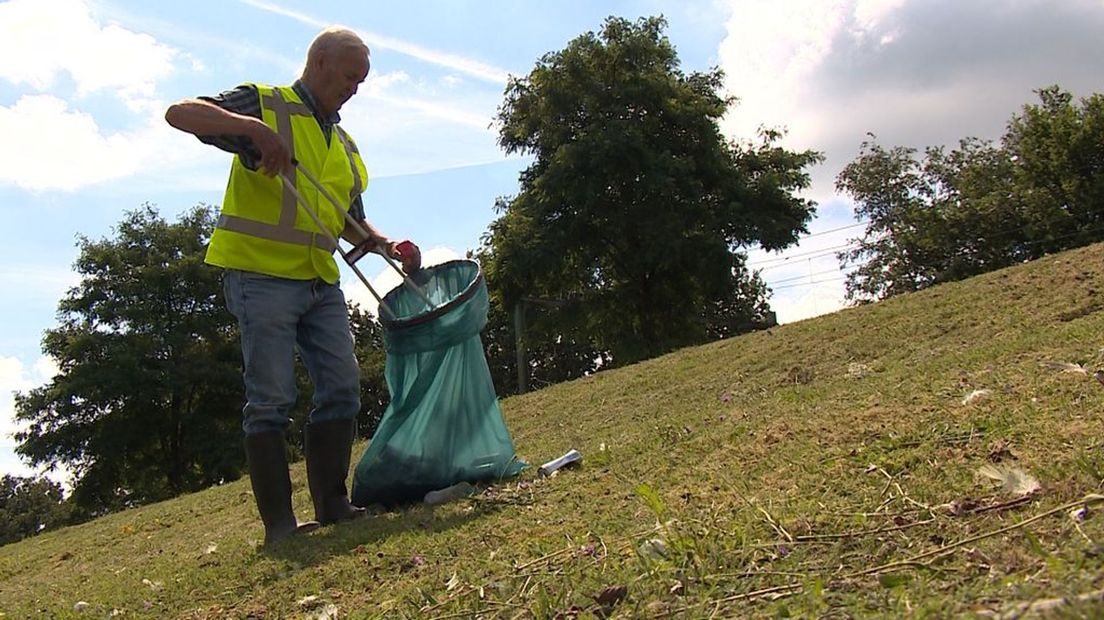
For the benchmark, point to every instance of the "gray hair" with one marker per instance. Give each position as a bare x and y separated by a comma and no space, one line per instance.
335,38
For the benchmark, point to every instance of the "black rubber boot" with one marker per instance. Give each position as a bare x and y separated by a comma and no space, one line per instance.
268,472
328,446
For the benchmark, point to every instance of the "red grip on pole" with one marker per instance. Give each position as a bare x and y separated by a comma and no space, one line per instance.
405,248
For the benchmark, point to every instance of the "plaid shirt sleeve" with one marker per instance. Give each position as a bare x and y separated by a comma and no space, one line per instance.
242,100
357,208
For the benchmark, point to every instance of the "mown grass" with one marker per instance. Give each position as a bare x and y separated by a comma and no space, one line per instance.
827,468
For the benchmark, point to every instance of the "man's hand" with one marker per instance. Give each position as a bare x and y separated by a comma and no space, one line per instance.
408,254
275,156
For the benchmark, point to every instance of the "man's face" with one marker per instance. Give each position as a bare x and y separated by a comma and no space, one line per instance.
342,71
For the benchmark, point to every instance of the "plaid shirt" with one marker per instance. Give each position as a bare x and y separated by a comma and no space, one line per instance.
244,100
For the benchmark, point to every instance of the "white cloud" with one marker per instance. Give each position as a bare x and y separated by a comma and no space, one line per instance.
915,73
771,50
806,280
468,66
43,131
870,13
15,377
402,96
808,302
12,465
402,127
380,83
432,109
37,283
223,53
51,146
42,39
286,12
394,110
55,143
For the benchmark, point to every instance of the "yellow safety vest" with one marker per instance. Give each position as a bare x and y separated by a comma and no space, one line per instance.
261,227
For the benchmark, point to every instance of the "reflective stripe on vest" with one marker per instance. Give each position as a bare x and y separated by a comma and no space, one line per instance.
272,232
263,228
285,230
283,111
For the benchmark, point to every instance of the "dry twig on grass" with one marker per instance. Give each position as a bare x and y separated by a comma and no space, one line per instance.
916,561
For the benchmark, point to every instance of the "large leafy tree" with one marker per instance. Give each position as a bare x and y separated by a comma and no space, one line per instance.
1057,147
29,506
930,219
374,396
633,216
547,360
947,215
147,401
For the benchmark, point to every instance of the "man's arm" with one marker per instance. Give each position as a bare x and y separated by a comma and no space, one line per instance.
376,241
405,252
201,118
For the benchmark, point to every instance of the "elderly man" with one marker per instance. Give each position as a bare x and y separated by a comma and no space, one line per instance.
281,280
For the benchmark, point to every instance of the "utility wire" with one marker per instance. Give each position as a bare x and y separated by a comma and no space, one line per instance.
799,284
807,275
825,232
844,275
810,253
782,261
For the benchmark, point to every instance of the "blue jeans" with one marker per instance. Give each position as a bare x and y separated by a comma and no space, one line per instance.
276,316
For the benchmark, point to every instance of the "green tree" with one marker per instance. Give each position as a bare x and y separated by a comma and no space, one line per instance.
1057,147
929,219
374,395
29,506
635,210
548,360
147,401
945,216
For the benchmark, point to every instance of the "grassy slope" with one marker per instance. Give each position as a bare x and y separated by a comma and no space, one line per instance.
791,459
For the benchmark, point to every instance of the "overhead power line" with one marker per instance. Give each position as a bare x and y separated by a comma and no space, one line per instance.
784,259
832,230
805,276
799,284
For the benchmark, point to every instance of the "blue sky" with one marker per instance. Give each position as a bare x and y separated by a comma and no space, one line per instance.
84,84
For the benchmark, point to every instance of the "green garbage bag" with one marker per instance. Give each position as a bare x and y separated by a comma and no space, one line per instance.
443,425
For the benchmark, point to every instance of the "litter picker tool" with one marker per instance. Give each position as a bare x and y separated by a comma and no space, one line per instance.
355,254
